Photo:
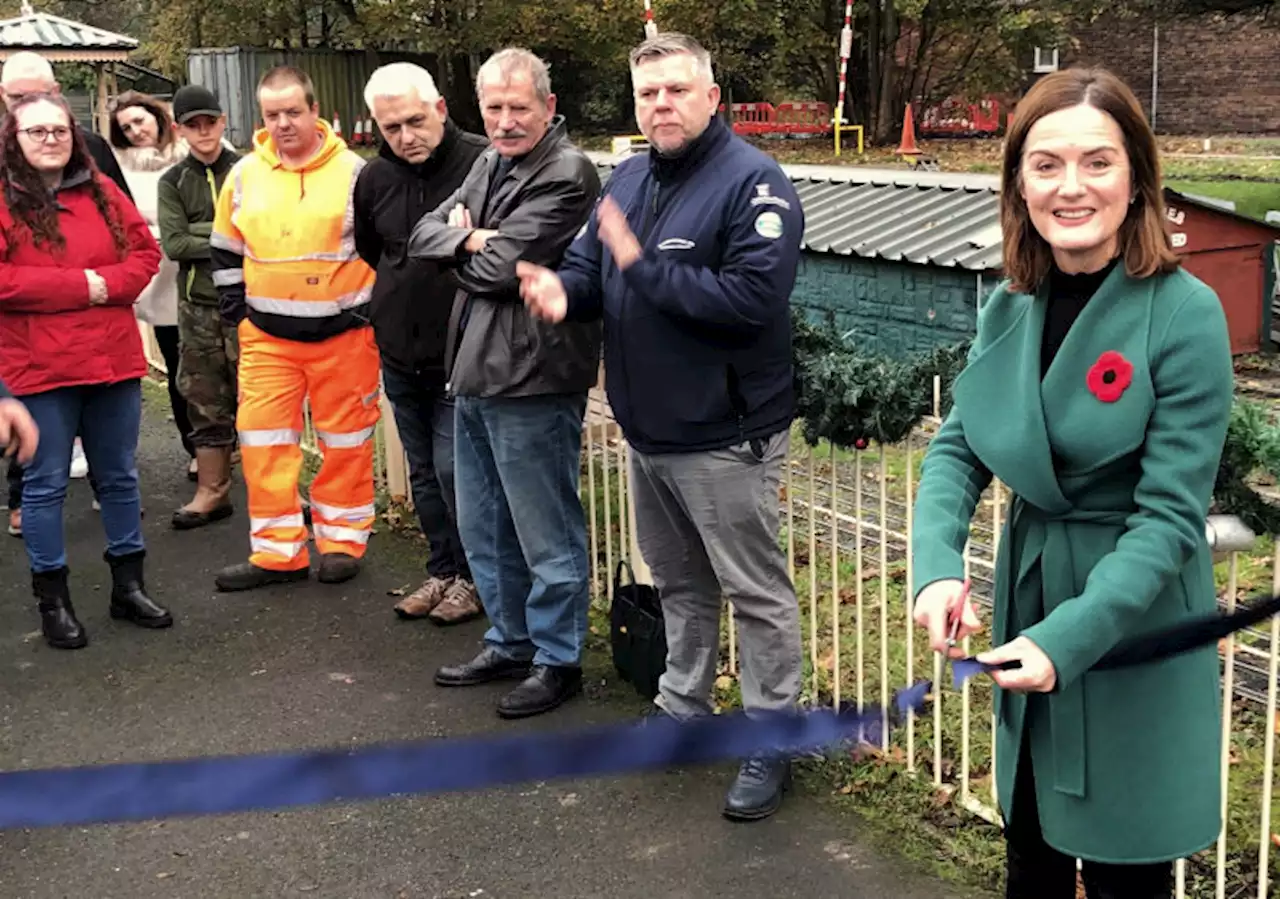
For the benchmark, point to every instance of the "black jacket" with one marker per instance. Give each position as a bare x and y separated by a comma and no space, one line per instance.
103,155
412,297
537,204
698,330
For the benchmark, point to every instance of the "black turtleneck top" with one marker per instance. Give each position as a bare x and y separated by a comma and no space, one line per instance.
1068,295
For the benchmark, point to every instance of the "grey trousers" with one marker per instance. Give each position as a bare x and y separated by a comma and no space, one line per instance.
707,526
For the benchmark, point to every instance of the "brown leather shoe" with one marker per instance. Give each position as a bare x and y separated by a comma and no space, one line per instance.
420,602
460,604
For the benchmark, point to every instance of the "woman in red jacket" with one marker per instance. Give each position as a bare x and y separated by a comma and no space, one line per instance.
74,255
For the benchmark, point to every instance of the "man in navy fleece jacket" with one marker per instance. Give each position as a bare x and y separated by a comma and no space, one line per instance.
690,258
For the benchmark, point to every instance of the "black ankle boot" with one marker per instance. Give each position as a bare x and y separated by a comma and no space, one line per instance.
57,617
129,599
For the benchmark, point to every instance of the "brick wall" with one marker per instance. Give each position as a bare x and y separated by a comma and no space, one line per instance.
1216,75
889,307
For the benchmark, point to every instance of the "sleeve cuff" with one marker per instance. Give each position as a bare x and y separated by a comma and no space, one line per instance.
935,565
641,273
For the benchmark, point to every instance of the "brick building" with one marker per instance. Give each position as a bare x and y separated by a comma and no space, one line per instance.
1203,75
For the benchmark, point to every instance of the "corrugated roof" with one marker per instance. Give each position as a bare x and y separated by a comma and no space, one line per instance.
40,31
931,218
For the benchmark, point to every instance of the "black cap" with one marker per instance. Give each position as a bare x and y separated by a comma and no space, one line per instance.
193,100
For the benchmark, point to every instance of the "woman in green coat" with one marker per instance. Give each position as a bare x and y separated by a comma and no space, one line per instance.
1098,391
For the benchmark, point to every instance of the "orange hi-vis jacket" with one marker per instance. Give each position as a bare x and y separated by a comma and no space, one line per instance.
283,246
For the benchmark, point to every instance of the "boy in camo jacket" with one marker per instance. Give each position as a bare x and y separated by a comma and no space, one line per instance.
207,369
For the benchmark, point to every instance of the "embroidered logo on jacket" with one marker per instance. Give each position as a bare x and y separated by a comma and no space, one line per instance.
677,243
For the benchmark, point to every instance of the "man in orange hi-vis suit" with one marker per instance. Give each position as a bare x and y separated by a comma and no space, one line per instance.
288,276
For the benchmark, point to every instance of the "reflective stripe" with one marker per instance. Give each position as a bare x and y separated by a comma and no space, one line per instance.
270,437
348,244
292,520
340,534
345,441
220,241
342,255
227,277
289,550
237,194
310,308
342,513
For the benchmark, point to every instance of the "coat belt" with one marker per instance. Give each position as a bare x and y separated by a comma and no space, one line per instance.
1046,537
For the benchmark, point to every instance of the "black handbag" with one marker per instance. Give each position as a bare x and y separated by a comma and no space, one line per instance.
637,633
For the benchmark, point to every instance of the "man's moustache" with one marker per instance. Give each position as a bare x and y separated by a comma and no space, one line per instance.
507,135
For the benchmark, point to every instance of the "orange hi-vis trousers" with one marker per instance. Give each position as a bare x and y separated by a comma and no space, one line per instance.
341,376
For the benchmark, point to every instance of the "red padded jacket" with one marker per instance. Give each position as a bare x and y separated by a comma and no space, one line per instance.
50,336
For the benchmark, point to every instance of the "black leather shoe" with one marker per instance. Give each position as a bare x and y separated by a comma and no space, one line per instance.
546,687
57,617
337,567
757,790
129,600
247,576
489,665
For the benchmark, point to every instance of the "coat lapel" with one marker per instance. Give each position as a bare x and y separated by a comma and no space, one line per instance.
999,400
1089,431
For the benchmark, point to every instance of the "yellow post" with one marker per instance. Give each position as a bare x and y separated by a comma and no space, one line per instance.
838,122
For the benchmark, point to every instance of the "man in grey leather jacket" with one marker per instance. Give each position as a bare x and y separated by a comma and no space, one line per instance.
521,387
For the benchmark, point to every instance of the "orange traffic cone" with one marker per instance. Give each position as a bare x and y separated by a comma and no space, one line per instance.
908,146
337,124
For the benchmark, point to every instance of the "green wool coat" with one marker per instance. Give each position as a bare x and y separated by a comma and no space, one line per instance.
1109,545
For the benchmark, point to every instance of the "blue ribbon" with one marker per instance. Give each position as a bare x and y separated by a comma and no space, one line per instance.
218,785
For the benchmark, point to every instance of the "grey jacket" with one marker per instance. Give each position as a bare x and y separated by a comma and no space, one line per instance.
494,347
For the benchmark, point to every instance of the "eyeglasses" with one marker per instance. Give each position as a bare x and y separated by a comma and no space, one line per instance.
40,134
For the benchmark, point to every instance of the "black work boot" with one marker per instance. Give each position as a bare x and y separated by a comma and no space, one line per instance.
337,567
247,576
489,665
57,617
546,688
757,790
129,599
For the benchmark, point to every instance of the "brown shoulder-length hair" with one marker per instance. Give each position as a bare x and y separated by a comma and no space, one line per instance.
164,121
1143,240
33,207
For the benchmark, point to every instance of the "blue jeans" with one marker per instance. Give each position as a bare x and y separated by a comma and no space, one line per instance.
107,417
424,417
517,462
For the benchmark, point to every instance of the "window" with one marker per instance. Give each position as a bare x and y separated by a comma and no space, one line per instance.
1046,59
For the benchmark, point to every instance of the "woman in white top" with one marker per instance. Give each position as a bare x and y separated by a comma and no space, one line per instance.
145,142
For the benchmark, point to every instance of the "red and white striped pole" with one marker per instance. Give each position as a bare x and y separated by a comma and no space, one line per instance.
846,47
650,27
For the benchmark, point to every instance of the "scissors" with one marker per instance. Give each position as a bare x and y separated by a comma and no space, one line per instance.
955,624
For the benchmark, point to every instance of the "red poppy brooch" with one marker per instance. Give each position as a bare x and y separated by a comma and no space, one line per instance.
1110,376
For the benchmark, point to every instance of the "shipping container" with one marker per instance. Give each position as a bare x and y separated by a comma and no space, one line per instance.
339,76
